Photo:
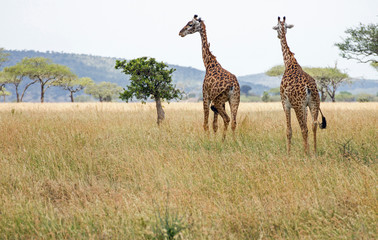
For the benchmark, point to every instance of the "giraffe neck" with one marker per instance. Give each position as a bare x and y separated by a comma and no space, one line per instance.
208,58
288,56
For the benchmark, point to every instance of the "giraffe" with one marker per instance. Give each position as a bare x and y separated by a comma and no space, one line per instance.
219,86
298,91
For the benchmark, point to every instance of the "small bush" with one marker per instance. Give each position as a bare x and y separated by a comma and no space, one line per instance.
345,97
265,97
364,97
168,225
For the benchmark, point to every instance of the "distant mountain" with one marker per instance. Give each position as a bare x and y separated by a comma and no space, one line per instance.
361,86
261,79
102,69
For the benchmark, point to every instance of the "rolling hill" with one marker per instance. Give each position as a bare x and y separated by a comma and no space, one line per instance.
102,69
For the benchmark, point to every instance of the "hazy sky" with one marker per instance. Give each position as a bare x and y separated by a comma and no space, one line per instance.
240,32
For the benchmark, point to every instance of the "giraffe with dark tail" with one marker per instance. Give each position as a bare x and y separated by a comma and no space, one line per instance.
298,91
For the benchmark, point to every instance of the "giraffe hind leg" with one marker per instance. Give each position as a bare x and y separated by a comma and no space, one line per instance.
314,111
234,101
220,107
215,121
301,113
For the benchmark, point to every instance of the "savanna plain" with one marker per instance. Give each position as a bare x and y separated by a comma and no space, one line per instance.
107,171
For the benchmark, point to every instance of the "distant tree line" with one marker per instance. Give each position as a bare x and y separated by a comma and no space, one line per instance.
45,73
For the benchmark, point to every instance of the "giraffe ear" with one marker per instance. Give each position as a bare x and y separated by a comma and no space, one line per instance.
275,28
290,26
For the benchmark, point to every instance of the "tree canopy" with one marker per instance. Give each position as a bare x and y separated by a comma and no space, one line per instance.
149,79
103,91
14,75
4,93
45,72
276,71
245,89
74,84
328,79
3,56
361,43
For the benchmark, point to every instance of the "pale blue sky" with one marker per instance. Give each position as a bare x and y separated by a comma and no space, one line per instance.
240,32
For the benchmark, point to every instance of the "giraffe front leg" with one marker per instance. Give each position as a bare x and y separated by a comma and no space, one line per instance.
206,104
314,110
288,128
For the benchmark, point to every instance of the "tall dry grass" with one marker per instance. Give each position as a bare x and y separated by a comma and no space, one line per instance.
106,171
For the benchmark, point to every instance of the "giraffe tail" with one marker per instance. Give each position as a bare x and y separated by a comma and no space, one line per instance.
214,109
323,125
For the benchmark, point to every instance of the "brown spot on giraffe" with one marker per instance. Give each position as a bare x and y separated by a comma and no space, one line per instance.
298,91
219,86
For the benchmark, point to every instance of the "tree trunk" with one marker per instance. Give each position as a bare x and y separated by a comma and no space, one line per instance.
26,87
17,94
4,98
333,97
160,111
42,93
332,94
72,98
323,95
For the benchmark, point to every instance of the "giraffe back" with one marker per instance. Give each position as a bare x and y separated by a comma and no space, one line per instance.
298,87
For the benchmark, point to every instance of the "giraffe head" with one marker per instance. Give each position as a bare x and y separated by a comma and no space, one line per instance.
282,27
191,27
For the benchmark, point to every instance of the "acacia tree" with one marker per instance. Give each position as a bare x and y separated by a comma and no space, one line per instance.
104,91
14,75
276,71
3,56
4,93
374,65
149,79
245,89
327,79
361,43
45,72
74,84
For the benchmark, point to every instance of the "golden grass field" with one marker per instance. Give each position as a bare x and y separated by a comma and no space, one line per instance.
106,171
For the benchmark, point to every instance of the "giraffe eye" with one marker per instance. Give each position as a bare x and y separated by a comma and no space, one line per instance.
190,25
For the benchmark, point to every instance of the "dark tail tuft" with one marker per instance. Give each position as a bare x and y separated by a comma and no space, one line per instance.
214,109
323,125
